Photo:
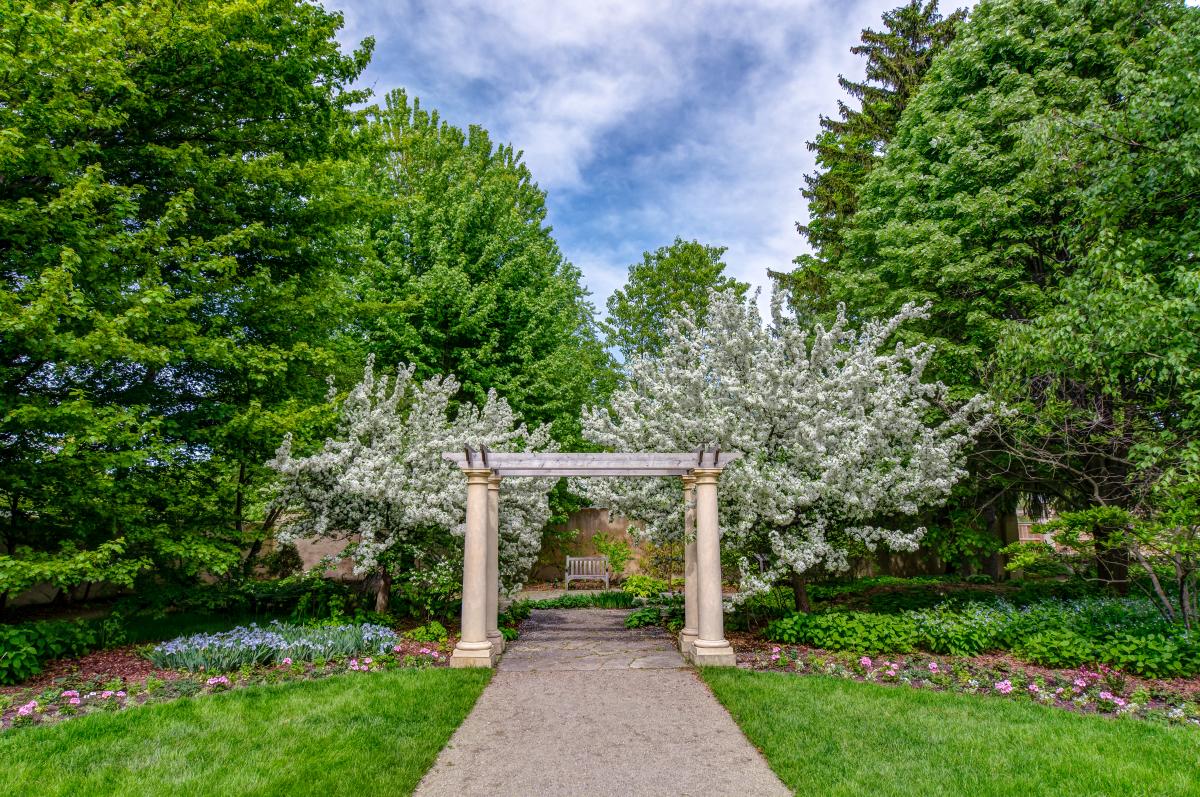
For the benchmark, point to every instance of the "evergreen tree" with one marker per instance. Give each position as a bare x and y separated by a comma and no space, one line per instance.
851,144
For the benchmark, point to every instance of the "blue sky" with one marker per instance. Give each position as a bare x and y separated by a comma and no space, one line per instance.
642,120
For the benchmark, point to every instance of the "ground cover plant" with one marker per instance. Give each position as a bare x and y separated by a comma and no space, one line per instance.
1127,633
344,735
1102,690
273,644
837,737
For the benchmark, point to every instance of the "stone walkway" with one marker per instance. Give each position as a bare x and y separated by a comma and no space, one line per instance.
581,705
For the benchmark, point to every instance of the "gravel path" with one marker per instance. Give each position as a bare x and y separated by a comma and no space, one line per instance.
581,705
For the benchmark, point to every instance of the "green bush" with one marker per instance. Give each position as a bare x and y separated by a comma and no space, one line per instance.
433,631
25,647
1055,647
968,631
644,586
853,631
611,599
647,615
1152,655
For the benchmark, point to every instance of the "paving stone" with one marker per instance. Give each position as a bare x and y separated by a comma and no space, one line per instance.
581,705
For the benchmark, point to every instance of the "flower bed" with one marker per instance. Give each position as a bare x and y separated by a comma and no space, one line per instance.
73,695
274,644
1097,691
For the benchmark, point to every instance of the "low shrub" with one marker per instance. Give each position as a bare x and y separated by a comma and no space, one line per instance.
647,615
1055,648
1152,655
854,631
252,645
611,599
433,631
644,586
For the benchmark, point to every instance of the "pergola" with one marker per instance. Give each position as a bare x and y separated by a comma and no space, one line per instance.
702,640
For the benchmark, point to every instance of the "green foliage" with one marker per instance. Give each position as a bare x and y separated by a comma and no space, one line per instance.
252,646
24,648
856,631
644,586
433,631
1055,647
667,281
462,276
1152,655
611,599
172,242
849,147
645,616
618,552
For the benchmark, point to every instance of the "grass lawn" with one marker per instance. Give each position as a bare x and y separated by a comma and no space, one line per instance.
830,736
348,734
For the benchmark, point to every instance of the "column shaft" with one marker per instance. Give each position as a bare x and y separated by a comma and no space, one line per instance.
473,648
493,572
691,583
711,648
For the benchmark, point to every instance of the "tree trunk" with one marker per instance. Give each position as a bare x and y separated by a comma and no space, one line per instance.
383,592
1112,563
800,593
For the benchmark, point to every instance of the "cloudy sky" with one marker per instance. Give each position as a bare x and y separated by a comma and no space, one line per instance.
642,120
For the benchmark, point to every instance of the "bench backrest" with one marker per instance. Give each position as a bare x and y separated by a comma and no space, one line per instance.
587,565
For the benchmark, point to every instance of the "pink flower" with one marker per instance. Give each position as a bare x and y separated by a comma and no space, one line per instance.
933,666
121,693
436,655
774,657
1004,687
287,662
1080,683
219,680
1120,701
1058,691
70,693
74,701
366,661
775,649
106,694
27,709
1106,695
397,649
1034,689
865,661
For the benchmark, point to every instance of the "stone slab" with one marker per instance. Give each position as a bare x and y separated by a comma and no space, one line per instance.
580,705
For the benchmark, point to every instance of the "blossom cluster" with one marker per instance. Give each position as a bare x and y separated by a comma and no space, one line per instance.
382,479
833,424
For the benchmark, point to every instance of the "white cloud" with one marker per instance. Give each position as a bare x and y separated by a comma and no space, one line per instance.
643,120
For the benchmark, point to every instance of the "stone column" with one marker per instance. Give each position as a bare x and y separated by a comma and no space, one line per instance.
691,585
493,573
711,648
473,648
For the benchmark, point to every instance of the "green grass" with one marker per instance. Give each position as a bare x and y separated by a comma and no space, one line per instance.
830,736
351,735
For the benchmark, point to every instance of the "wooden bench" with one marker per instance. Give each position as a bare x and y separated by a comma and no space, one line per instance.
586,568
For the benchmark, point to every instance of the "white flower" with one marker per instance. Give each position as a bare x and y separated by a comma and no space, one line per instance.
838,434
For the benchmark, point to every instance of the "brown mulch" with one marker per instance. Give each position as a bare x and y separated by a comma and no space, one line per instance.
123,663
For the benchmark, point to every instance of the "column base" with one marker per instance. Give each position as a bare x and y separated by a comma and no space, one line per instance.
687,643
497,640
473,656
708,653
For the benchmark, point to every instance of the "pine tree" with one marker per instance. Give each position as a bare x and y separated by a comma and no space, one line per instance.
852,143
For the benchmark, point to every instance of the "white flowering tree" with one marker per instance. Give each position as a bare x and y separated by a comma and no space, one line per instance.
843,439
382,483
